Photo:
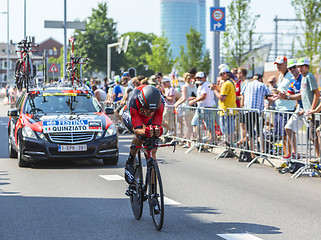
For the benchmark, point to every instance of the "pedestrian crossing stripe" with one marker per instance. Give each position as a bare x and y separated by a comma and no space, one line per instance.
115,177
112,177
168,201
239,236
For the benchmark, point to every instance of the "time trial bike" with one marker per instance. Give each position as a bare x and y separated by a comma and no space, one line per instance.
152,189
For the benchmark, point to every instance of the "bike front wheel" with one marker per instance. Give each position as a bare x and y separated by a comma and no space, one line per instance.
156,195
136,189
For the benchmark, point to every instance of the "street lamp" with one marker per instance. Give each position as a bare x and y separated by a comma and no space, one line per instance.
121,45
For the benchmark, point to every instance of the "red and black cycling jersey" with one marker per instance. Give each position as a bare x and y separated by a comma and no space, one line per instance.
136,113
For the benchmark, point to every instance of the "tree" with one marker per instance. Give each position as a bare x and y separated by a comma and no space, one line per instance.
239,30
139,45
92,43
160,59
310,12
194,56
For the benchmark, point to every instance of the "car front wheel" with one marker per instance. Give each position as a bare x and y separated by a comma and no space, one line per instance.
110,161
12,152
21,162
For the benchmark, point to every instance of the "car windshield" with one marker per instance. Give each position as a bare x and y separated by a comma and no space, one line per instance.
61,103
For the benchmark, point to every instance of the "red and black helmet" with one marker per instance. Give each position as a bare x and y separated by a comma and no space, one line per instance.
150,98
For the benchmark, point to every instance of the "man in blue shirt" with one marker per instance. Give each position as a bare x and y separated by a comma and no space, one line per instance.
254,94
117,90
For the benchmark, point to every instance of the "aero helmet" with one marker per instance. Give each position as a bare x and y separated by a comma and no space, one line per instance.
150,98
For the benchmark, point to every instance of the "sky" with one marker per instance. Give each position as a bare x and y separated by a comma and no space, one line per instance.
130,15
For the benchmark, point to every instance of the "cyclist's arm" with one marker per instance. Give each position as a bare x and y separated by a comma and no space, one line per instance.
138,126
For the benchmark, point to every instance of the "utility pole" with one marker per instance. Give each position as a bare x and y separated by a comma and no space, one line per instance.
25,20
8,49
216,49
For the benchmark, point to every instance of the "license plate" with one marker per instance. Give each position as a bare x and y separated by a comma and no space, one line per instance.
72,148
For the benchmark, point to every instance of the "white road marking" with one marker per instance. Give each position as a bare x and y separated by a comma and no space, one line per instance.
116,177
112,177
168,201
239,236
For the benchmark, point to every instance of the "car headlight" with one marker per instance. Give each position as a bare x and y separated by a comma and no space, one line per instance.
41,136
28,132
111,130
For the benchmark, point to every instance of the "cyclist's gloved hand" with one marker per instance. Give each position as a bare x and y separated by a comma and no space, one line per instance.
158,131
149,131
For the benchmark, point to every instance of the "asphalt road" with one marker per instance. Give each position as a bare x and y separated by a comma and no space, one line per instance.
205,199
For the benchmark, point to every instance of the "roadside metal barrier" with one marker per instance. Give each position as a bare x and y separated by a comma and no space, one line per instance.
262,134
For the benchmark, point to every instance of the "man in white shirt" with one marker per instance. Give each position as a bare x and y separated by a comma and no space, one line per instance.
204,99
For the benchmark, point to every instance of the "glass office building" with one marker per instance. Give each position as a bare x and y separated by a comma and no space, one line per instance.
178,16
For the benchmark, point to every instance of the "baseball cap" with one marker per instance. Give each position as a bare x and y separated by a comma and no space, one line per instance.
117,78
125,74
225,69
258,76
303,61
280,60
291,63
200,75
166,79
223,65
111,83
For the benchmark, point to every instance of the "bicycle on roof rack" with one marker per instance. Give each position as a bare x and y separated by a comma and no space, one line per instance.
75,74
25,72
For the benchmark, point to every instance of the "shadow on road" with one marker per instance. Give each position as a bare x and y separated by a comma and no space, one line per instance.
100,218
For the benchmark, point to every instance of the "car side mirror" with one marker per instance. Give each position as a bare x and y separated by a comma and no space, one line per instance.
109,110
13,113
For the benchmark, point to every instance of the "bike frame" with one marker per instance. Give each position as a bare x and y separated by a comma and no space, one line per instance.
148,149
72,65
26,49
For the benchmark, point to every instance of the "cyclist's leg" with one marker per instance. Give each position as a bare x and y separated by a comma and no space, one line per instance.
129,170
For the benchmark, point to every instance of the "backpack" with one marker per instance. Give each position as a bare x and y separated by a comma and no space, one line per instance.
245,156
292,168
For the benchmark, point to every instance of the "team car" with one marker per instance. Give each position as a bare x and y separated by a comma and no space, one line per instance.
61,123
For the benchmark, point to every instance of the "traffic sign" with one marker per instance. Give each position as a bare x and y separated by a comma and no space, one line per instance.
53,68
217,16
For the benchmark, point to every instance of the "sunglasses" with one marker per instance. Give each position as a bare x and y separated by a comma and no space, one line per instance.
198,78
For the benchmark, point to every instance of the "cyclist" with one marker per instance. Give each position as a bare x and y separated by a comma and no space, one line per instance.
143,116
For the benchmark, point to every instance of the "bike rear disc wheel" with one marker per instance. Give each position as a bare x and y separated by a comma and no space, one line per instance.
137,196
156,196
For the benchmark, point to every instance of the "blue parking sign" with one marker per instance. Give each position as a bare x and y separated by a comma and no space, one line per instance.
217,16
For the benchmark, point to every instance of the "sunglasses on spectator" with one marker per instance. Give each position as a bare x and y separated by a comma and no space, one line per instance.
198,78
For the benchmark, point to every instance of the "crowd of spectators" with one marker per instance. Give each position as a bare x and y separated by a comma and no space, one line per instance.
294,94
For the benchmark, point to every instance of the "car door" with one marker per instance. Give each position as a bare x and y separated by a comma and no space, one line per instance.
14,123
